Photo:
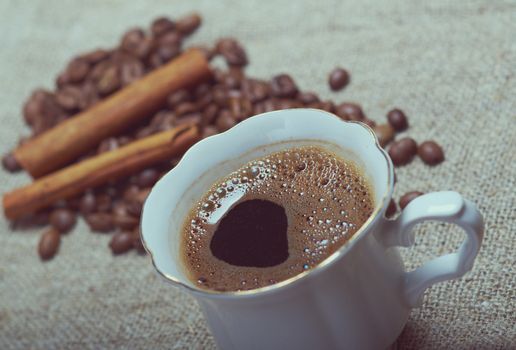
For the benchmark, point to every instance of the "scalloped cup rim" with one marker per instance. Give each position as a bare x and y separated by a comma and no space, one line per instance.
233,133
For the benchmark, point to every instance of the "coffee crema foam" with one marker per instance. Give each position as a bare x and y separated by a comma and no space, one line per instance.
326,200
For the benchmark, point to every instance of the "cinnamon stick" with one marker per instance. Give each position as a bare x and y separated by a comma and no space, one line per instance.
66,141
98,170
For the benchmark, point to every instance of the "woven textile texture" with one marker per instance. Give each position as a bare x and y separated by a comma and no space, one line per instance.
450,65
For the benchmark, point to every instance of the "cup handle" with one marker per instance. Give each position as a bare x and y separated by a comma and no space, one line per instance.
444,206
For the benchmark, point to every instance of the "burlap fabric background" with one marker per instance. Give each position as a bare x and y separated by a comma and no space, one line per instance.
450,65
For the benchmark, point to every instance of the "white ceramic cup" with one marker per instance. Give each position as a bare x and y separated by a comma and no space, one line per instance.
359,297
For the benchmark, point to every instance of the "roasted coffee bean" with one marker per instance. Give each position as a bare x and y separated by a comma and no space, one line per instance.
143,194
49,244
338,79
232,80
171,39
403,151
148,177
259,108
37,219
69,97
282,104
63,220
50,109
204,100
220,96
95,56
201,90
103,202
225,120
119,207
111,189
307,97
131,71
40,125
209,114
162,25
164,120
126,222
218,75
32,108
232,51
133,179
120,56
98,70
110,81
328,106
10,163
384,133
430,153
74,204
408,197
188,24
259,91
298,104
100,222
283,86
89,96
255,90
270,105
51,114
240,107
121,242
190,118
123,220
159,118
41,110
288,103
134,208
131,193
397,119
154,61
169,123
234,93
137,241
237,72
370,123
209,131
177,98
77,70
88,203
107,145
132,40
315,105
185,108
391,209
168,52
349,111
144,49
135,203
63,79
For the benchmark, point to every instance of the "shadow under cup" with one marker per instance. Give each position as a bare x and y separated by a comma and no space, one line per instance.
215,157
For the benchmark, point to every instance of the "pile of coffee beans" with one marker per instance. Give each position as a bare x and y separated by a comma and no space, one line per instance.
214,106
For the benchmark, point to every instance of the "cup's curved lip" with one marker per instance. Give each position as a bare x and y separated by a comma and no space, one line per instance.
326,263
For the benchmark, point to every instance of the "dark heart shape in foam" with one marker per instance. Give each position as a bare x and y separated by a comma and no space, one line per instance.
253,233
